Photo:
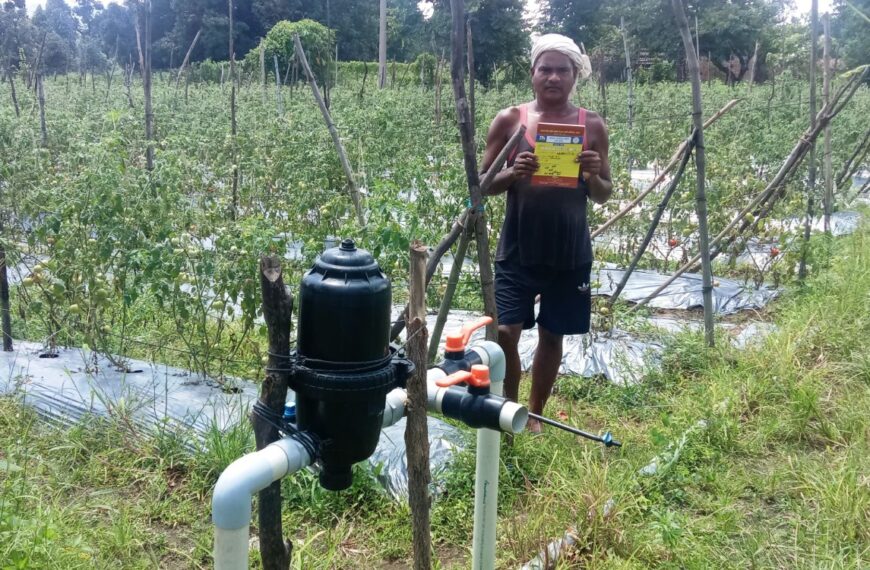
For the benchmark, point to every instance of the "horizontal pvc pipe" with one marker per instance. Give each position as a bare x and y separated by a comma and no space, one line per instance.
231,501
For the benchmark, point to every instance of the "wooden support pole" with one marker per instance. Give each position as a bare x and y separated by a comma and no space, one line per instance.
811,174
828,202
186,59
382,45
12,92
466,220
277,312
470,64
342,155
787,168
447,300
234,204
487,283
416,430
4,299
40,95
851,166
700,193
263,70
687,152
145,66
279,102
663,175
630,84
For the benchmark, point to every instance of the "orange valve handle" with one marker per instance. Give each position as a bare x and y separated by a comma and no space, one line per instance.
478,377
456,342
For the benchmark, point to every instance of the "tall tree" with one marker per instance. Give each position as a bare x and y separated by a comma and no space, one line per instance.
851,28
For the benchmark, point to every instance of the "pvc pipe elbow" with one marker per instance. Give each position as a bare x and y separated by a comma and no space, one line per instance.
231,501
394,410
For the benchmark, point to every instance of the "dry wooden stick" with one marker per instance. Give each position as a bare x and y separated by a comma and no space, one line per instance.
277,312
700,192
416,430
790,164
342,155
675,181
466,132
664,173
186,60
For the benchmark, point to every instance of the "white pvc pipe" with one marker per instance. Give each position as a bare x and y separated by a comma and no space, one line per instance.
486,469
231,502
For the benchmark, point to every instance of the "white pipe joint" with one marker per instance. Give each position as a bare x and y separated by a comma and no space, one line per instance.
231,501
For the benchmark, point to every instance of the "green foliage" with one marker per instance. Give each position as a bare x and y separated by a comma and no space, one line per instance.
318,41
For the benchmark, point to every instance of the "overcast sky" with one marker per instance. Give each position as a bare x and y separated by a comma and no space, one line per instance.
801,6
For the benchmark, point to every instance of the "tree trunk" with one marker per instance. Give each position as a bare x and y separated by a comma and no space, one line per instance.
416,430
277,312
382,46
342,156
470,160
826,94
700,195
811,175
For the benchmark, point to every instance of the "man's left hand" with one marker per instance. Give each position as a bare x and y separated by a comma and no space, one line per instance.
590,163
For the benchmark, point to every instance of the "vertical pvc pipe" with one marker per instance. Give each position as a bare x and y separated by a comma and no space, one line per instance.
486,471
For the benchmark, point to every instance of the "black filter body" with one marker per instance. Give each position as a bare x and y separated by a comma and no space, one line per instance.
344,365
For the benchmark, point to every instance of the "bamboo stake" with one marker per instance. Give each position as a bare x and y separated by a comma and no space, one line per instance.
234,206
700,195
342,156
263,71
11,77
848,169
186,60
675,181
279,102
630,88
447,301
145,66
811,175
487,282
470,65
40,94
790,164
661,177
382,45
416,430
4,299
826,95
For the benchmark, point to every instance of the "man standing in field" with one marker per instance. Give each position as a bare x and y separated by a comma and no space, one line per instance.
545,248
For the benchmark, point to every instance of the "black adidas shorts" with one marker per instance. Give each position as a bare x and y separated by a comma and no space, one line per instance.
566,302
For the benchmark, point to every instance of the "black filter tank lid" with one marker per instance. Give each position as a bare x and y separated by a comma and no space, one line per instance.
344,307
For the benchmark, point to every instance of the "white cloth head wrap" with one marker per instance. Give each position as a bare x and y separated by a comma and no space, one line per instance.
563,45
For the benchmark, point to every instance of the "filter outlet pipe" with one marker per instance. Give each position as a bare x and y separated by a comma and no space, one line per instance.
486,469
231,501
251,473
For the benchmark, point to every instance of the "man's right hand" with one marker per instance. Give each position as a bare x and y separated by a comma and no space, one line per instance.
525,164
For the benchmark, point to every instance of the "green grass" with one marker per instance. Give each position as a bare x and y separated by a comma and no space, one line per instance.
775,476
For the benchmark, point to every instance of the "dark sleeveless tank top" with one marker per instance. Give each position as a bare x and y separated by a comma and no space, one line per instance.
544,225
